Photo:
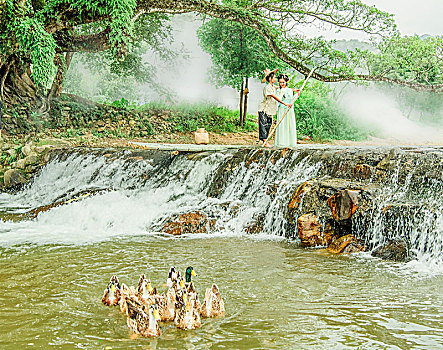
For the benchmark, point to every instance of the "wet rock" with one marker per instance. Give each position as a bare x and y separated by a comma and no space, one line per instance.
363,171
339,245
343,204
256,226
396,250
329,234
308,228
354,247
299,194
271,189
13,178
193,222
345,244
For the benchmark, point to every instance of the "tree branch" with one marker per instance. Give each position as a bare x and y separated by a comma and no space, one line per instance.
67,17
83,43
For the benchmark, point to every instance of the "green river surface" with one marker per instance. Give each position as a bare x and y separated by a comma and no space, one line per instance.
277,296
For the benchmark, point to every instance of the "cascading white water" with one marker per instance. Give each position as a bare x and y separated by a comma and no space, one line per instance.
137,195
132,204
411,209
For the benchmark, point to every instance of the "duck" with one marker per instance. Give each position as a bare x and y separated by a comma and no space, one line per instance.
166,304
111,295
188,275
142,319
126,293
192,291
173,276
190,286
186,315
213,305
145,291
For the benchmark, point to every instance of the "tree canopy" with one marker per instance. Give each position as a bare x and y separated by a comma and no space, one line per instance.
237,52
34,32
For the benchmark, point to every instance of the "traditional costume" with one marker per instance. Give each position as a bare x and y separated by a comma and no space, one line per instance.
286,134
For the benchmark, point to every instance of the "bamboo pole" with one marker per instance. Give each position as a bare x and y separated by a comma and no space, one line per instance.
292,104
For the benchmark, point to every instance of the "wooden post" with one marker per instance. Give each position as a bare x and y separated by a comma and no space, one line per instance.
241,101
245,105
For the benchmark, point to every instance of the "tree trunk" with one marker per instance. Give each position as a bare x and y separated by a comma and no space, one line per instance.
241,101
57,84
245,105
16,86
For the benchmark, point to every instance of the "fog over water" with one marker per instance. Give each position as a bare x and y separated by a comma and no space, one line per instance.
371,107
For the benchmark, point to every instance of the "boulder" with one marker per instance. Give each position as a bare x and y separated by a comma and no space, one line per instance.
41,149
396,250
20,164
343,204
345,244
26,150
193,222
5,146
13,177
31,159
308,228
11,152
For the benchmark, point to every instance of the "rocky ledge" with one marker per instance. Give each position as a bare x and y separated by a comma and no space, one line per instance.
20,162
386,200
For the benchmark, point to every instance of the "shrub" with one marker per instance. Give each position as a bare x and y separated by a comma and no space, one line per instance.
187,117
321,118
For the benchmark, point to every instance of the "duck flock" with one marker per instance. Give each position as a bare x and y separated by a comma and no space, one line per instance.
144,306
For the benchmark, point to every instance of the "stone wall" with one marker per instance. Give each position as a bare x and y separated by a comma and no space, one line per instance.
71,115
20,162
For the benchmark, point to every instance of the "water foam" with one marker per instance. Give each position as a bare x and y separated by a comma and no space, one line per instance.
138,196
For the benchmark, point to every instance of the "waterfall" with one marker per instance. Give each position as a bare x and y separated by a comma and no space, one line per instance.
107,194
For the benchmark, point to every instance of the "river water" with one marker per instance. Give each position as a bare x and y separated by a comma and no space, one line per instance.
54,268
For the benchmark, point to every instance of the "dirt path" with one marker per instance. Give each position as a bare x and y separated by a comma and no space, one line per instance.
242,138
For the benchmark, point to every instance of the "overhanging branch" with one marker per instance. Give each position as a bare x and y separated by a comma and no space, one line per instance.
100,41
83,43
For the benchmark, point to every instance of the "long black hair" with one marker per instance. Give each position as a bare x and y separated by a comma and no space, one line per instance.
283,76
270,76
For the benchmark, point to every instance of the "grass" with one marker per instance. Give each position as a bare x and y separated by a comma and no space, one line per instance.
188,117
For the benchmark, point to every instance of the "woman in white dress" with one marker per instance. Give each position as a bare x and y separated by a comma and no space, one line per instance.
286,134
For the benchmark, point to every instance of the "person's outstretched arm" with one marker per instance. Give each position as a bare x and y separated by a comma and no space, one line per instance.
278,100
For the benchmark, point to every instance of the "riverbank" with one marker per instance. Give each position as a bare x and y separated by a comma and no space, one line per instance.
21,157
72,121
348,199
